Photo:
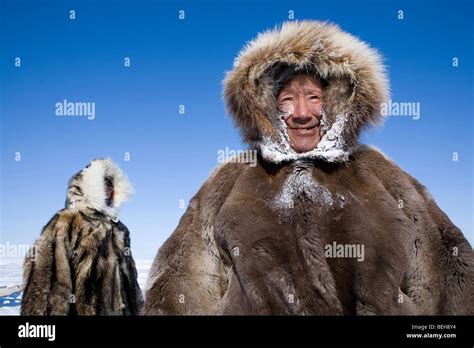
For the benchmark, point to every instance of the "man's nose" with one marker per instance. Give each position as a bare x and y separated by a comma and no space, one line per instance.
302,113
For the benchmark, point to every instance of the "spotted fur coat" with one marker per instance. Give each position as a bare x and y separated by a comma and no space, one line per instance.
82,262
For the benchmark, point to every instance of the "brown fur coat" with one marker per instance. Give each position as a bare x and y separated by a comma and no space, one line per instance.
337,230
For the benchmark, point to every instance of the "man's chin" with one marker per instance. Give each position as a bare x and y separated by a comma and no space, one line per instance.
303,140
304,148
304,145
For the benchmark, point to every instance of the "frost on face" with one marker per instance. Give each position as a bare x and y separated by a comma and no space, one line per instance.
301,183
331,148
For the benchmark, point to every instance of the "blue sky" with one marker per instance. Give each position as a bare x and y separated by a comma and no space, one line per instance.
182,62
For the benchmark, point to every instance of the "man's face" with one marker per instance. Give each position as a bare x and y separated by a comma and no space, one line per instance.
301,99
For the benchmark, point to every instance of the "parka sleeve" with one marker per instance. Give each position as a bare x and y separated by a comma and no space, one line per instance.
135,295
188,275
47,274
441,275
456,262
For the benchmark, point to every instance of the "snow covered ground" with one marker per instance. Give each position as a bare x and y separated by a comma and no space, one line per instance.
11,274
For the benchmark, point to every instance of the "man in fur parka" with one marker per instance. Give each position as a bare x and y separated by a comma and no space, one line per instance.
82,263
321,225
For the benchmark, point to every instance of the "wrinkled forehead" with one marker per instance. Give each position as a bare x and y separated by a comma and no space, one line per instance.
302,83
286,76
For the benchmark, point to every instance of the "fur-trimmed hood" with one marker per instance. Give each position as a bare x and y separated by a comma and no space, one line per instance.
87,189
357,85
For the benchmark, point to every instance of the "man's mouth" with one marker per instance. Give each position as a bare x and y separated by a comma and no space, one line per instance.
303,131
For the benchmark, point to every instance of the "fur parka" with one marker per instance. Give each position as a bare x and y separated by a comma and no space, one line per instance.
339,230
82,262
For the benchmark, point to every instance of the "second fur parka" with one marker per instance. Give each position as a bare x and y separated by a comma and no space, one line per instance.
82,263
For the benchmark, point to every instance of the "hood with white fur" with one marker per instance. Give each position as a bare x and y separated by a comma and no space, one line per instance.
356,88
87,189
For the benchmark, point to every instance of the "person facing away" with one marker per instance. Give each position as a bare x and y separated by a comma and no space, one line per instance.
82,262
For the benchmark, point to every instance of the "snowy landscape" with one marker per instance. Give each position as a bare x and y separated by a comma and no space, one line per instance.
11,275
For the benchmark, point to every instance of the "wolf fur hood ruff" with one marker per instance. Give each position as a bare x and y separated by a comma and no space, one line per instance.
82,263
280,237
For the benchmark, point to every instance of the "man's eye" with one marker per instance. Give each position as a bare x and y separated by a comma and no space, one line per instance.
285,99
315,97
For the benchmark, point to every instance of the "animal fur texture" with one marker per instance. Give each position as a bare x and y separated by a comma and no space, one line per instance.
82,262
254,238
